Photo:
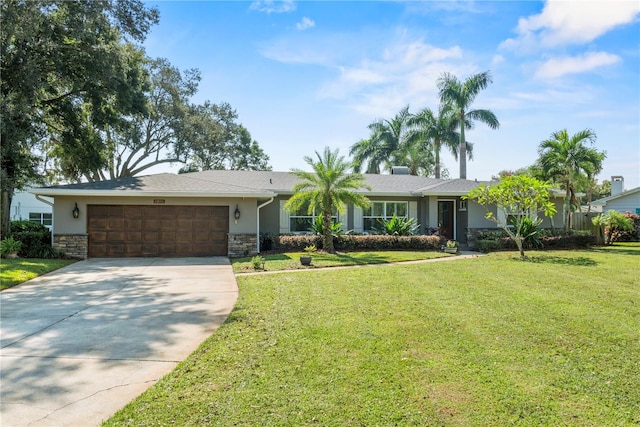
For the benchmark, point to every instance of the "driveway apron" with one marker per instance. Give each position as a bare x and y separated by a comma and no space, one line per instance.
81,342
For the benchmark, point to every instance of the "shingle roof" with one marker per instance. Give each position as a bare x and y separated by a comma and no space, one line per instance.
251,183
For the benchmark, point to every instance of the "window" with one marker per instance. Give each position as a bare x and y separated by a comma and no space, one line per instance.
382,211
301,221
515,214
41,218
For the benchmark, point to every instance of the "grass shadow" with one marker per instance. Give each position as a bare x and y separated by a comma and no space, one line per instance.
552,259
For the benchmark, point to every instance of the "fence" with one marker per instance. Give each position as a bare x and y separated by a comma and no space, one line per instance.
582,221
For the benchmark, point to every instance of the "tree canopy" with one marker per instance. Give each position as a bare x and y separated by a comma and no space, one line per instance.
566,159
80,100
520,195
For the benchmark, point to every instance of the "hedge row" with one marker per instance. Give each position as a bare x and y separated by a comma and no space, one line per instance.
570,241
350,242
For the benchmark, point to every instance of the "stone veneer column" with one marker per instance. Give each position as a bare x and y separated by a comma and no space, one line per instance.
73,245
241,245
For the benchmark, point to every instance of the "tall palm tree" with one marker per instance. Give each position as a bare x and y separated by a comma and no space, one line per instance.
460,95
432,131
566,158
367,151
329,187
387,136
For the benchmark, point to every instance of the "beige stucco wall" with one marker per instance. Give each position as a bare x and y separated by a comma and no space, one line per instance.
64,223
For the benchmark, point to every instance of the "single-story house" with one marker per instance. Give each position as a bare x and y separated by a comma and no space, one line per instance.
222,212
620,200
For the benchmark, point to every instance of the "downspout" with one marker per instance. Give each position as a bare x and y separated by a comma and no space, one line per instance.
258,223
46,202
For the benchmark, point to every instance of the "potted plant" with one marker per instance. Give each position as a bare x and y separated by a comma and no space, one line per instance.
306,259
9,248
451,247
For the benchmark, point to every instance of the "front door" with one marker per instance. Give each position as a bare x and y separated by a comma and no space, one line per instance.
445,218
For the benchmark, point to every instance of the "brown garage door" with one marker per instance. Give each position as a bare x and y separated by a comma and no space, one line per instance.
157,231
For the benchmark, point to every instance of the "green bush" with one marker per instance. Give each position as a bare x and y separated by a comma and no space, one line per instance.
318,227
634,234
35,238
397,226
9,246
352,242
567,241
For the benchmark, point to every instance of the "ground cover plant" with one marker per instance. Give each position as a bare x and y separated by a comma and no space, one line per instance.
494,340
19,270
291,260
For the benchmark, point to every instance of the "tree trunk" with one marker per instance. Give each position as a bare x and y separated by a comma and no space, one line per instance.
5,213
462,151
436,148
327,242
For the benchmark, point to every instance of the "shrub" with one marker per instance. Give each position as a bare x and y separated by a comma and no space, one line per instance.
9,246
530,232
35,238
318,227
397,226
292,243
493,242
352,242
256,261
266,241
612,224
631,235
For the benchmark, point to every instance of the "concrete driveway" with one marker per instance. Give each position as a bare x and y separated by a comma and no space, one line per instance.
80,343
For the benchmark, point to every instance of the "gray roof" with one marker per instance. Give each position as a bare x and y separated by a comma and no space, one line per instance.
232,183
625,193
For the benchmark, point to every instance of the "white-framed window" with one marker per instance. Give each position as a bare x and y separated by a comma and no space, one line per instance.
41,218
382,211
301,221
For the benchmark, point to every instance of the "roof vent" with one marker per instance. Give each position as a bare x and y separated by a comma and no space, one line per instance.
399,170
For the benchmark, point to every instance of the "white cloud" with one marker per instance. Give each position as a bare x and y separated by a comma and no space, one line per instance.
273,6
404,73
557,67
306,23
564,22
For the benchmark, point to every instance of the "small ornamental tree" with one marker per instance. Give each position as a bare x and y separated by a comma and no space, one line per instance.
612,224
520,196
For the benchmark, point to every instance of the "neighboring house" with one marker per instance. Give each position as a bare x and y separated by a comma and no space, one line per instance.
25,206
620,200
224,212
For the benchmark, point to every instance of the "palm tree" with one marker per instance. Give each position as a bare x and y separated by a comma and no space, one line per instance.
367,151
387,136
436,130
566,159
460,95
329,187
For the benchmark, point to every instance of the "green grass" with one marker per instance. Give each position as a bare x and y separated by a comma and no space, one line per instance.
291,260
14,271
489,341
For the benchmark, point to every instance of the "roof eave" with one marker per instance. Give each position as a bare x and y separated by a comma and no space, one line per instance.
129,193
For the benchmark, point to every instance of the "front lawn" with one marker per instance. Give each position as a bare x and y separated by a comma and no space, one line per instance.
14,271
291,260
494,340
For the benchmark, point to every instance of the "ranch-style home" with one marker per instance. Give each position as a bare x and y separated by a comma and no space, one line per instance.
222,212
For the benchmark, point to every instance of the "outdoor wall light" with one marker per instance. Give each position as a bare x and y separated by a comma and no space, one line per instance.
76,211
236,214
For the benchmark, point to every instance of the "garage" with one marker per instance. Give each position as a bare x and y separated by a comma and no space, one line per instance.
157,231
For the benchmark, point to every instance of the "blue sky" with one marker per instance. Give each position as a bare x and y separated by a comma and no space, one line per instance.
303,75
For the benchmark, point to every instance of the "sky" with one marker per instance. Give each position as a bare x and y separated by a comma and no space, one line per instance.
303,75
